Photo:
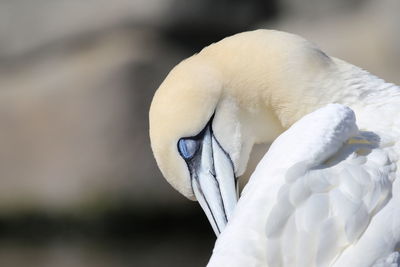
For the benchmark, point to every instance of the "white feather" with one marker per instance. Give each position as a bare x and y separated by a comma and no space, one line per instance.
318,201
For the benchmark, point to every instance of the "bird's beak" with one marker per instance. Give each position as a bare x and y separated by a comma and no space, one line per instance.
213,181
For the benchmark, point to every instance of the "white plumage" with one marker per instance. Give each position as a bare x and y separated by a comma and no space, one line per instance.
322,186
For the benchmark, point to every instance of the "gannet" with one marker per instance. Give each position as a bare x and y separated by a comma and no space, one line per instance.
325,194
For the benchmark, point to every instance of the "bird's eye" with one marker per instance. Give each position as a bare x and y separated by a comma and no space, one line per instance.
187,147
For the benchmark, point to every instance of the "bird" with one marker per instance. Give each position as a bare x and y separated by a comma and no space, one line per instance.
326,193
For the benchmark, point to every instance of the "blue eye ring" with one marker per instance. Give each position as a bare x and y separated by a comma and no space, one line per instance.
188,147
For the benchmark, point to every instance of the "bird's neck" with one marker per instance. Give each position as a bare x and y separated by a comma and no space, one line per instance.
288,77
373,100
344,83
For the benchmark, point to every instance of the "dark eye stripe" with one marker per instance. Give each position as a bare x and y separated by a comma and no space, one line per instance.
187,147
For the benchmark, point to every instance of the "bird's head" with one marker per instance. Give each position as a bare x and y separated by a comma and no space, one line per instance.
207,115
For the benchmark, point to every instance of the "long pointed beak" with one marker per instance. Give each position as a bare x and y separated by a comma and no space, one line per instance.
214,183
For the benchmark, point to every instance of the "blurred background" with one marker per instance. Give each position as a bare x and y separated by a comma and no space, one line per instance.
78,182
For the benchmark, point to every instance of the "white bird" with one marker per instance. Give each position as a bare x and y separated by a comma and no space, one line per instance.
325,194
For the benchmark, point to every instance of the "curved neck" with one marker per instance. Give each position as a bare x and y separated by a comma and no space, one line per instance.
281,84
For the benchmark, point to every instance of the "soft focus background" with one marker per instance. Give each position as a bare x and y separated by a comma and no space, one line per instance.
78,184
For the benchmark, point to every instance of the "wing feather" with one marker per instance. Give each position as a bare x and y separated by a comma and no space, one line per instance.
329,206
314,197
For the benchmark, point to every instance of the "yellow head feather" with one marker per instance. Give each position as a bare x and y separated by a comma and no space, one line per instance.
256,82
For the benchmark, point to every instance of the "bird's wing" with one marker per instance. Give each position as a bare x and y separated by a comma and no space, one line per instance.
321,211
313,195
